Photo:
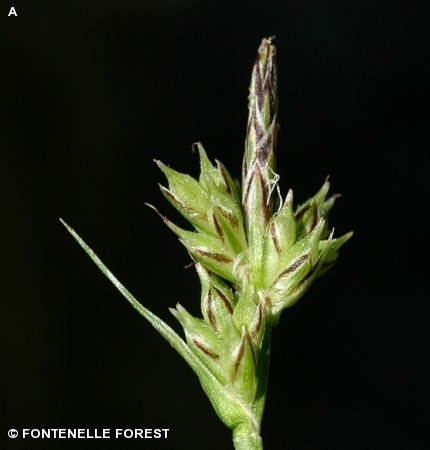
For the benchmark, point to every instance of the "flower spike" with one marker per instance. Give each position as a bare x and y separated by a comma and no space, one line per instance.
252,261
259,164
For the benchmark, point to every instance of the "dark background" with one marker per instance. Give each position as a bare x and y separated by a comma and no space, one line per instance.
90,94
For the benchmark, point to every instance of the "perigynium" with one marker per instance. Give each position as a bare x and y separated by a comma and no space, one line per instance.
255,256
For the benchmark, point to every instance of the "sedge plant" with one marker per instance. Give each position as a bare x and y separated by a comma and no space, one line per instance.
255,255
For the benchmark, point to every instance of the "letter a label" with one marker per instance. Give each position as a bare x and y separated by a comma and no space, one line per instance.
12,12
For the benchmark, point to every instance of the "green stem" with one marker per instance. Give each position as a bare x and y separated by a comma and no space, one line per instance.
245,438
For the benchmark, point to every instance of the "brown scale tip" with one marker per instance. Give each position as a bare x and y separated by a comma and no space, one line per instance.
165,219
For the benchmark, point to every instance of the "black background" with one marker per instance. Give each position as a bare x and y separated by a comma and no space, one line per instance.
90,94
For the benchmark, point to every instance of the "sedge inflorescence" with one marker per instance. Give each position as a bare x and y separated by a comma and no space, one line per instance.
252,261
255,256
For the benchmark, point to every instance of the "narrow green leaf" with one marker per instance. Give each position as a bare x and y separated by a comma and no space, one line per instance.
229,407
